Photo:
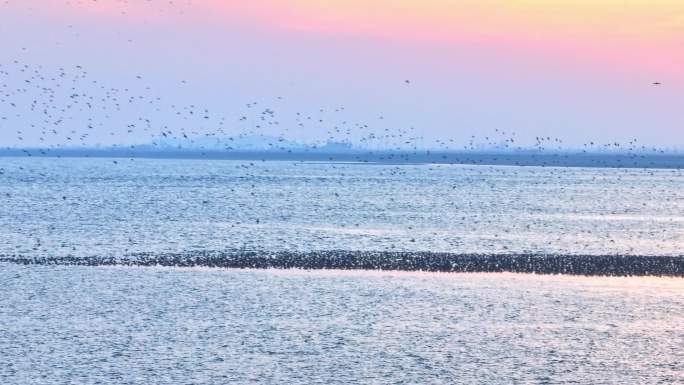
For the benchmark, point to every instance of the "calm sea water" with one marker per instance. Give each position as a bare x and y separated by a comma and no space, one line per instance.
86,207
82,325
70,324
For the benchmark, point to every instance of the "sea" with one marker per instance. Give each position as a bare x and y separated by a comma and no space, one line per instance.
161,325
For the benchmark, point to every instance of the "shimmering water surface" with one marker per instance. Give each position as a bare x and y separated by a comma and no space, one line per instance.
87,207
84,325
126,325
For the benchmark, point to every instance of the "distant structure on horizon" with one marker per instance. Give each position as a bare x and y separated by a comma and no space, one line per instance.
335,147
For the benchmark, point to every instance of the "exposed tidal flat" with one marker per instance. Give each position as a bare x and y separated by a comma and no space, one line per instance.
161,325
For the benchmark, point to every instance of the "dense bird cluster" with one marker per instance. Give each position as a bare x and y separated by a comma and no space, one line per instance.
588,265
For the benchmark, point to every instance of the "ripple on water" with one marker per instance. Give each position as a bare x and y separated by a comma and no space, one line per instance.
200,325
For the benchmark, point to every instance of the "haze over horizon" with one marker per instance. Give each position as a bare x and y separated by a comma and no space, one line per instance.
376,73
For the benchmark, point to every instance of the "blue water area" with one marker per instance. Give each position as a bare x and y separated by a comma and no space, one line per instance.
112,207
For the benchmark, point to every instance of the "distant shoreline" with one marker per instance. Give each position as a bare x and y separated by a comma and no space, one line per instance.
540,159
580,265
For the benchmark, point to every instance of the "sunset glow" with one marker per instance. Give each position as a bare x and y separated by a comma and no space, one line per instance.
570,68
643,35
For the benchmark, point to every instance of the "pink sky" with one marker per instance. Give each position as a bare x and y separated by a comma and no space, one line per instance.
567,67
646,36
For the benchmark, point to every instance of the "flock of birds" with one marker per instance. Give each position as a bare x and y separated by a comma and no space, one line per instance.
45,109
52,111
66,108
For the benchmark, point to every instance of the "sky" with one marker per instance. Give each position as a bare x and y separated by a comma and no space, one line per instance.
577,70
